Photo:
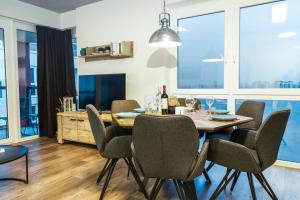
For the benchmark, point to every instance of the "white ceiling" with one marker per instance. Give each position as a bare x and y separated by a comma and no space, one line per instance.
59,6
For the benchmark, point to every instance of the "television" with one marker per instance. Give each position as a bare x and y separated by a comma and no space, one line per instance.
101,90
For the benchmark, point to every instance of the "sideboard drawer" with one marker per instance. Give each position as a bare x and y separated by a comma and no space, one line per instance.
85,136
69,122
70,133
83,124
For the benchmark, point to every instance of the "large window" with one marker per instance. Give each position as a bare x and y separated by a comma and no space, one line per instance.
27,69
262,45
3,96
201,56
270,45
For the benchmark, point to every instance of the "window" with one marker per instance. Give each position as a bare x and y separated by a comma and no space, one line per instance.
270,45
3,96
201,55
289,149
27,67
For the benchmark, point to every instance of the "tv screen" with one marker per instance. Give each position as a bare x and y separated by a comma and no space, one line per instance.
101,90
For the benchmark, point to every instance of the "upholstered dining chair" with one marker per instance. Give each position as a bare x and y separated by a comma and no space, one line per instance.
166,147
258,153
124,106
249,108
111,147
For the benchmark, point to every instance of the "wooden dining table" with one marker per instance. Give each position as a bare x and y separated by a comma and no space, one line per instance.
202,120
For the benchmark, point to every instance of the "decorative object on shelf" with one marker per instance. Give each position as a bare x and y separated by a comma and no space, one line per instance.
110,51
66,105
107,49
83,51
164,37
101,50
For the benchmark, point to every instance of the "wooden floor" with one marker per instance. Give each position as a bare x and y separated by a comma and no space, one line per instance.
70,171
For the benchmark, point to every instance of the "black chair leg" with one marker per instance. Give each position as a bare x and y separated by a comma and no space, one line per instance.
179,189
206,176
223,183
157,186
211,164
268,185
190,189
235,180
250,179
103,171
265,186
136,177
110,172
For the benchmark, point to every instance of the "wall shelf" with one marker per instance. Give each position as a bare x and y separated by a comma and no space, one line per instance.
117,51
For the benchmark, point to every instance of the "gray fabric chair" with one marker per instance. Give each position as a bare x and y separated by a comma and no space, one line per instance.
112,148
124,106
259,152
253,109
166,147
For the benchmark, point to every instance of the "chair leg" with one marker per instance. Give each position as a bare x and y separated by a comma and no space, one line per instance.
206,176
190,189
235,180
179,189
103,171
110,172
136,176
265,186
26,158
250,179
157,186
211,164
268,185
223,183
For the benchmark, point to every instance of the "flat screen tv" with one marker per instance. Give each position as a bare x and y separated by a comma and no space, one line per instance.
101,90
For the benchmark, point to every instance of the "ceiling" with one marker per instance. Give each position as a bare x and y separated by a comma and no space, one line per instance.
59,6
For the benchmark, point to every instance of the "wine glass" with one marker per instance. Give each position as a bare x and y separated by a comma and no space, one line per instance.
156,103
190,102
148,101
210,101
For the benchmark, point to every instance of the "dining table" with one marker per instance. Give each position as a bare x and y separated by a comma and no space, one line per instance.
202,120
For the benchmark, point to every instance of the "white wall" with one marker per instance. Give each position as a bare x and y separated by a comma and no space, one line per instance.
136,20
28,13
68,19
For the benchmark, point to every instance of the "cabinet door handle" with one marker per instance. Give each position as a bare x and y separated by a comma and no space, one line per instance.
81,120
73,119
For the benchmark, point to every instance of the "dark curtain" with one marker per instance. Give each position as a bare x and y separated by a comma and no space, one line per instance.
55,74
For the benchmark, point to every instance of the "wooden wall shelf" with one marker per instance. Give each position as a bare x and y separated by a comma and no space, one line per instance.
123,50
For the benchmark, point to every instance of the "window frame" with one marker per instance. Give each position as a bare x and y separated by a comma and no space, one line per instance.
231,90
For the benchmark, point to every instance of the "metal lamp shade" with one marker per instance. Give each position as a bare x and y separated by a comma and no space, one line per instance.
164,37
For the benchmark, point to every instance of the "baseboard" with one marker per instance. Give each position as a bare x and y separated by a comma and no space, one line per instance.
287,164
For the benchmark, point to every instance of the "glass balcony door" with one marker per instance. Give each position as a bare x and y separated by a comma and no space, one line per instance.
4,133
27,72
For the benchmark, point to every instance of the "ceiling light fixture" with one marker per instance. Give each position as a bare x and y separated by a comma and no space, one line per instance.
164,37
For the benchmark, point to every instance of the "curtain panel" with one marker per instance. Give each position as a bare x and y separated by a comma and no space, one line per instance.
55,74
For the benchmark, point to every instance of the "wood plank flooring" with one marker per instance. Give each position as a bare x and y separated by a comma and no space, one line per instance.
69,171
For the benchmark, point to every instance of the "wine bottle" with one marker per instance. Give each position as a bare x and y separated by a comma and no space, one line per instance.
164,102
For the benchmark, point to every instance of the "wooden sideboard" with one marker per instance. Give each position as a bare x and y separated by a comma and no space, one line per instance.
75,126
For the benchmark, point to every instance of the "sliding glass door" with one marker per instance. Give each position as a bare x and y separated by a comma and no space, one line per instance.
4,134
27,71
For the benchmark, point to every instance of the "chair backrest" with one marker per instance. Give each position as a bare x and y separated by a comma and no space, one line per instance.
269,136
253,109
165,146
124,106
97,126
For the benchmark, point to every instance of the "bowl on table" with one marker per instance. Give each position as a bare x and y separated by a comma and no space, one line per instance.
224,117
127,115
